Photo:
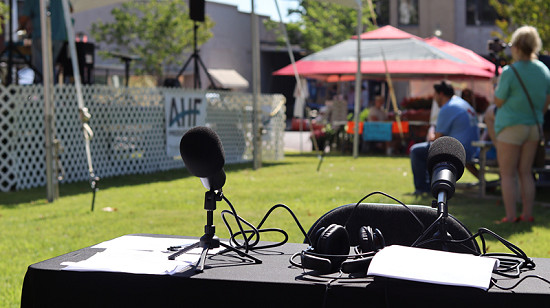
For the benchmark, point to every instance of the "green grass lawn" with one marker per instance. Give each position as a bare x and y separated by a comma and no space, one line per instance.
171,202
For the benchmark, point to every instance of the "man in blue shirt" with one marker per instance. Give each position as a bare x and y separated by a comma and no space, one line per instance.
457,119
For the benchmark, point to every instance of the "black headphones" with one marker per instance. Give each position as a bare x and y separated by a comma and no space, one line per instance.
329,251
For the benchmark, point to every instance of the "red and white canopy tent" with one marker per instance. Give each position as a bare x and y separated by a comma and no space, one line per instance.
482,86
386,52
406,56
462,53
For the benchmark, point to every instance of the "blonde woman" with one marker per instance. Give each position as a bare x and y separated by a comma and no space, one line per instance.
515,126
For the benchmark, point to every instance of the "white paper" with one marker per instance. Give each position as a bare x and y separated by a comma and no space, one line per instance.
433,266
138,242
131,261
139,255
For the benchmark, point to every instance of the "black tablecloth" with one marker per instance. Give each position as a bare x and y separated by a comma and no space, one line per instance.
231,280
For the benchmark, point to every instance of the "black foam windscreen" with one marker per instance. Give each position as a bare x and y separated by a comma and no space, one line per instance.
202,152
447,150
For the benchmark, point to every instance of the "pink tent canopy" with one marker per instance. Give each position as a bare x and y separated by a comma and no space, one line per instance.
407,56
460,52
386,33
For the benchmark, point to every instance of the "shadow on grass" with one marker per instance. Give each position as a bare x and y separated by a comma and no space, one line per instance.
38,196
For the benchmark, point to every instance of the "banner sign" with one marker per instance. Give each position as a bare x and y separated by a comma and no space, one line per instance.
183,112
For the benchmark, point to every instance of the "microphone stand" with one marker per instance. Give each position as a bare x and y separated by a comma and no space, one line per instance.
443,211
209,240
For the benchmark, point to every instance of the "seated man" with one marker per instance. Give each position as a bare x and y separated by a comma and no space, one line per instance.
377,112
456,119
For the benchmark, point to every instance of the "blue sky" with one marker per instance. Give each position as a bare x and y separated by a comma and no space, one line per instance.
263,7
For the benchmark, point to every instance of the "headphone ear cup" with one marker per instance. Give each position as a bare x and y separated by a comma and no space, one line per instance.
370,239
334,240
316,236
366,239
378,239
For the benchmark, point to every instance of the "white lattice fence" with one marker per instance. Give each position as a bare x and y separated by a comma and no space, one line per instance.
129,127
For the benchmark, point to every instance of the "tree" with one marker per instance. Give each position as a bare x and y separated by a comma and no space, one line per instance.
322,24
516,13
157,31
4,16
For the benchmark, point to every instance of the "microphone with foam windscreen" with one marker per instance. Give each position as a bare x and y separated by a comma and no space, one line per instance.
446,159
202,152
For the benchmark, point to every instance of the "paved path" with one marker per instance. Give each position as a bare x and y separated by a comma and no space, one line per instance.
292,141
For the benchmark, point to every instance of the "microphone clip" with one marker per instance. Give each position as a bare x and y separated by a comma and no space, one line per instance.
210,199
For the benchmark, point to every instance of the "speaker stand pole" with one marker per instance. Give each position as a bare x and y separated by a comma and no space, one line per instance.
209,240
195,57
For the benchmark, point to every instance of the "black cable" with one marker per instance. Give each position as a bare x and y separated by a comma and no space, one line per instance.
517,251
293,216
520,281
255,232
451,241
291,260
232,239
427,230
510,264
386,195
327,288
246,248
513,263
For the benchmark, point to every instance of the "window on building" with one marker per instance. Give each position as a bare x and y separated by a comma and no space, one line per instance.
408,12
480,12
382,11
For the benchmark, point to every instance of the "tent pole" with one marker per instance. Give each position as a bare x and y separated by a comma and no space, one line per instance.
294,68
72,50
358,81
84,116
256,128
83,111
49,116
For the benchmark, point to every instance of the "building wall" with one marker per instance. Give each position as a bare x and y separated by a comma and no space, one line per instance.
229,48
231,44
471,37
432,15
449,16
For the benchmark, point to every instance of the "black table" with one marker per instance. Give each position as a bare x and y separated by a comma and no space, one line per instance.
231,281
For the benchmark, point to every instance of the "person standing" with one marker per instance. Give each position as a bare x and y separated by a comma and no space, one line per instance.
516,128
457,119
